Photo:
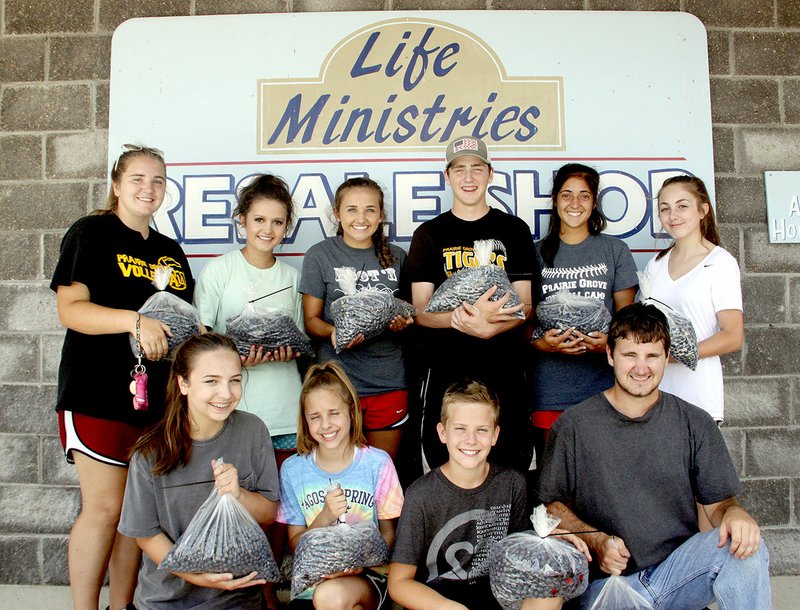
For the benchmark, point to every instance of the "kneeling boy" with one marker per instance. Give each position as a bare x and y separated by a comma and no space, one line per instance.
453,515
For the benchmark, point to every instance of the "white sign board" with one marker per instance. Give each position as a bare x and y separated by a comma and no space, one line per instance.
317,98
783,206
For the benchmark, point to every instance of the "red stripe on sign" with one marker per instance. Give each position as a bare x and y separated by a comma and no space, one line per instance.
411,160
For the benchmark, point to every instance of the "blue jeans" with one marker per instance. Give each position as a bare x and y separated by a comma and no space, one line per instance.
697,573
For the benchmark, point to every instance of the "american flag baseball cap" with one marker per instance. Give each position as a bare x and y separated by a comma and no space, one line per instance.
466,145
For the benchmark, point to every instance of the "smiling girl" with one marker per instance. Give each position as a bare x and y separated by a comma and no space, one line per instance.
375,366
574,255
174,469
700,279
103,276
265,213
336,477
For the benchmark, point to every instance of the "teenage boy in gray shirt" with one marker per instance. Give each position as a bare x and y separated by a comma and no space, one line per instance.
631,463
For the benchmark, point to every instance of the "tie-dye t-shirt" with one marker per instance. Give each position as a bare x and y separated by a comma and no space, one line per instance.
370,485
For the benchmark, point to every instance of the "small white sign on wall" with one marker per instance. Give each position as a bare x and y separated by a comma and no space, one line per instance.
783,206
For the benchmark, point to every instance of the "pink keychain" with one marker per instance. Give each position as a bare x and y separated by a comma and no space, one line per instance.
139,388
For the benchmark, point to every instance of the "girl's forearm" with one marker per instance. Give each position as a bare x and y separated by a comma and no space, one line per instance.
155,547
728,339
720,343
92,319
313,310
317,327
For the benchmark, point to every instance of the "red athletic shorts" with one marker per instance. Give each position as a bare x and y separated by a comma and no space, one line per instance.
103,440
385,411
544,419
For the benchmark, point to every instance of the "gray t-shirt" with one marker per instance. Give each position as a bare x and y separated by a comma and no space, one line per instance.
638,478
596,268
375,366
166,504
447,531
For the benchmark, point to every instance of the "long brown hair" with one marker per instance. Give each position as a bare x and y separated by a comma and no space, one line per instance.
329,376
119,168
169,442
597,222
708,224
379,239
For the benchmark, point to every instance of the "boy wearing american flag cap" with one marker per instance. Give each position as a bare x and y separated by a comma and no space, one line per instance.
484,340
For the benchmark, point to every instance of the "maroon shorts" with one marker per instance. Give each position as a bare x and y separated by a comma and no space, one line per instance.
106,441
384,411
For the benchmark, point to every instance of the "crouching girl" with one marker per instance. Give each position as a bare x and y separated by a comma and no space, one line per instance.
337,478
173,470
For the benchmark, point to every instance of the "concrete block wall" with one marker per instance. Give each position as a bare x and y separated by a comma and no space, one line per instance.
54,71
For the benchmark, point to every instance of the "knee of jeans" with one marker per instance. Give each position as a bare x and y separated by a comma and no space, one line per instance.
712,537
753,569
711,548
761,555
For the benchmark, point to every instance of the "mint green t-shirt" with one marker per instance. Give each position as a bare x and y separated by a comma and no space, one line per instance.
226,284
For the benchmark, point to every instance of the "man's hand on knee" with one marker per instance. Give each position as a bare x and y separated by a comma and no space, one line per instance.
743,531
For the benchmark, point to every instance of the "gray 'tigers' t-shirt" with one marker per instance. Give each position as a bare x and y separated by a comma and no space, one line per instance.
166,504
375,366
